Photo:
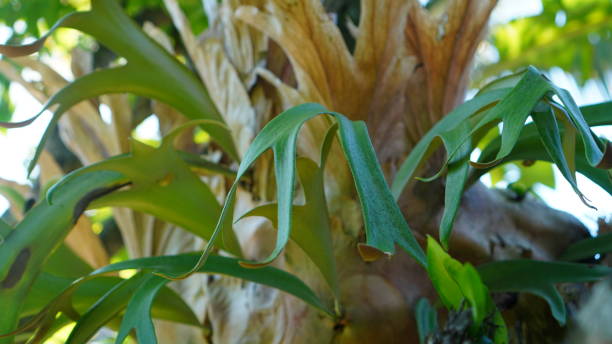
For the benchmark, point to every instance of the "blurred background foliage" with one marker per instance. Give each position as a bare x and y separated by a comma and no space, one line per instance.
574,35
34,17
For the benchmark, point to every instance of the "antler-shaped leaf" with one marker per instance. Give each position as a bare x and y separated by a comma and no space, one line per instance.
139,292
385,225
311,229
26,248
530,147
531,92
162,184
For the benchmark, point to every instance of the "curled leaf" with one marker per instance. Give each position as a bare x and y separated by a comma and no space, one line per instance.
384,222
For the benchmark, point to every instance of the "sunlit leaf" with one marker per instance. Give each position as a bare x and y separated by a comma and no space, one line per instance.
457,283
536,172
447,288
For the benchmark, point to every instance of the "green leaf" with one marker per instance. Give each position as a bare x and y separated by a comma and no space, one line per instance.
5,230
151,172
63,262
41,231
458,171
60,269
48,287
539,278
457,144
530,173
31,11
105,309
196,161
474,119
427,145
138,313
14,197
150,71
597,114
497,174
384,222
457,283
593,147
311,230
161,184
501,330
588,248
536,172
426,318
551,140
473,290
514,109
530,147
223,265
447,288
98,298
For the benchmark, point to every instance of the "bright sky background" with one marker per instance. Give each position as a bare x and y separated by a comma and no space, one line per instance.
18,144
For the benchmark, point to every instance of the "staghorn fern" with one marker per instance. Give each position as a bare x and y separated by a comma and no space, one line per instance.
180,195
